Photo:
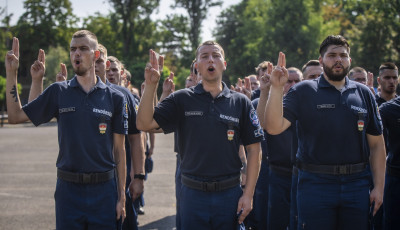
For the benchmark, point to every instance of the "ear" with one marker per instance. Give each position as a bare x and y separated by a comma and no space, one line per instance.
379,80
320,60
225,64
108,64
97,54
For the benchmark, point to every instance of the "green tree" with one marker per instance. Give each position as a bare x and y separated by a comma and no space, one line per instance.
106,33
197,11
132,24
54,57
45,23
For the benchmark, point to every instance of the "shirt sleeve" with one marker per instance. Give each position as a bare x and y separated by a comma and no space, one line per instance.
166,114
132,110
44,107
375,122
251,131
120,117
290,106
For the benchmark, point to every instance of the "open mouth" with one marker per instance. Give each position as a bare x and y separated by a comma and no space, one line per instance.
77,62
211,69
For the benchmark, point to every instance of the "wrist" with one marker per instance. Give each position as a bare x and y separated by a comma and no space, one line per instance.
139,176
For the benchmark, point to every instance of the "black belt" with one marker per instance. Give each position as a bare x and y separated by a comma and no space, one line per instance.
393,171
85,178
210,186
333,169
280,169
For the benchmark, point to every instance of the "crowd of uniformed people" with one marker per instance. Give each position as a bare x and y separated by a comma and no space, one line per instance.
283,148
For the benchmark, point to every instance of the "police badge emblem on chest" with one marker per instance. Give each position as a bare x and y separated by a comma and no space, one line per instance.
102,125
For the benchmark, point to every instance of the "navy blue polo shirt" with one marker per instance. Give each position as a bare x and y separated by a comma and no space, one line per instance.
86,123
209,129
329,121
131,107
255,94
280,147
390,112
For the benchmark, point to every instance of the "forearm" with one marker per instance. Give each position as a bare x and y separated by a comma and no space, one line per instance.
378,163
120,162
14,108
137,153
253,168
273,116
36,90
261,106
146,108
152,138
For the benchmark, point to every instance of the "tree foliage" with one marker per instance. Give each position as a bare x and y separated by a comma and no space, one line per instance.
197,11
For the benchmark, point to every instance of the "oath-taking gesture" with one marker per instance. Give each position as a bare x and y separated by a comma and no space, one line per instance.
279,75
265,80
152,73
370,82
168,85
62,75
12,57
38,68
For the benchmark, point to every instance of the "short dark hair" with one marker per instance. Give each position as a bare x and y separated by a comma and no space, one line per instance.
310,63
333,40
128,75
114,59
356,70
387,65
210,43
295,70
86,33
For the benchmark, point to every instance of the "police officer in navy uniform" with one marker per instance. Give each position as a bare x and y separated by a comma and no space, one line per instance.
210,120
388,80
91,126
339,133
390,112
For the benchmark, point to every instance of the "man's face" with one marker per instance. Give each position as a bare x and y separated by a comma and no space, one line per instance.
210,63
360,77
388,80
312,72
293,79
100,66
114,74
255,84
336,62
82,55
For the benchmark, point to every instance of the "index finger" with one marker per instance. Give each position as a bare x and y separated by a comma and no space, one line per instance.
161,62
63,69
171,76
41,56
269,68
15,46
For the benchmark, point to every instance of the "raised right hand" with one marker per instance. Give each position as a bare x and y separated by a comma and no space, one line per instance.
62,75
168,85
265,80
12,57
279,75
38,68
151,73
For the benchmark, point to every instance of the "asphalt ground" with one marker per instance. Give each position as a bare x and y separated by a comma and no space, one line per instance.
28,177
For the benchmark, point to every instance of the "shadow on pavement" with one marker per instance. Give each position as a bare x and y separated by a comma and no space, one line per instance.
166,223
